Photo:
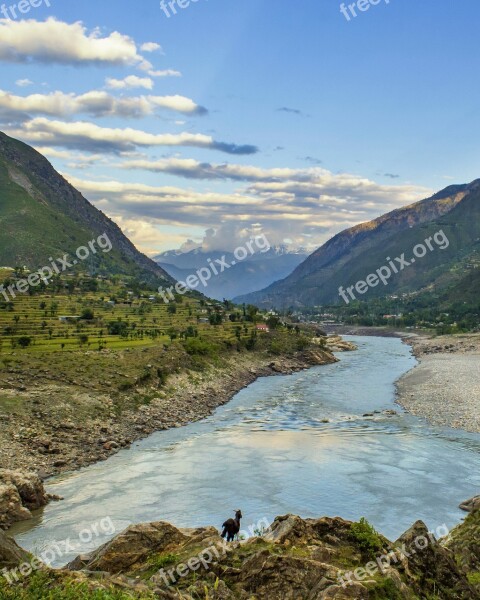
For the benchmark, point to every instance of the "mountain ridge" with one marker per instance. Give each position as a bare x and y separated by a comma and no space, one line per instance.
43,215
344,259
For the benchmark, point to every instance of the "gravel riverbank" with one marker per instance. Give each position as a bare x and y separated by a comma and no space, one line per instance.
445,386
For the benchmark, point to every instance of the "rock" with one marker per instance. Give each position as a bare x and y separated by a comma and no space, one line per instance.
111,445
11,555
432,569
268,576
133,546
19,494
471,505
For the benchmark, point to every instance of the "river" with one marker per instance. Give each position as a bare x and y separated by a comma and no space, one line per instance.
288,444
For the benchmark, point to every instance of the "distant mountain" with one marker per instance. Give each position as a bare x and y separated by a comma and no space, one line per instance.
43,216
253,273
353,254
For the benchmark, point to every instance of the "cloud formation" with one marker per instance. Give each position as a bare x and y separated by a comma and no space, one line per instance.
54,41
132,81
94,103
89,137
304,207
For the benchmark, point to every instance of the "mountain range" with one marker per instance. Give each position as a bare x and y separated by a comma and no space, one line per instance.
258,270
352,255
43,216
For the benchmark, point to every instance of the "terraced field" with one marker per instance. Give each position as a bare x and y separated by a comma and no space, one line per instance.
112,317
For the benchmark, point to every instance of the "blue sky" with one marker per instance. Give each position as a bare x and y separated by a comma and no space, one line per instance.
308,123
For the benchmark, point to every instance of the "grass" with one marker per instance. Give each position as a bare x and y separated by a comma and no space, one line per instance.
50,586
474,578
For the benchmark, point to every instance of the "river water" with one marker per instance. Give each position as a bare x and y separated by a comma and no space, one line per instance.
270,452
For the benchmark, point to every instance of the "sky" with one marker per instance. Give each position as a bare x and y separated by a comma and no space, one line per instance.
232,118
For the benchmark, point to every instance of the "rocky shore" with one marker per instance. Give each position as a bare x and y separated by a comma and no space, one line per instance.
294,559
20,493
445,386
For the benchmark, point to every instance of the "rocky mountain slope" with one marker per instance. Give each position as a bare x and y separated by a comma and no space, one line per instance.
353,254
43,216
254,273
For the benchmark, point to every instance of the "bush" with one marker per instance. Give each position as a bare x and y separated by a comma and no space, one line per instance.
117,328
302,342
366,537
87,314
24,341
201,347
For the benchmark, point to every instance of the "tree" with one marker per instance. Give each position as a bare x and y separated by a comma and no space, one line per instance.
24,341
87,314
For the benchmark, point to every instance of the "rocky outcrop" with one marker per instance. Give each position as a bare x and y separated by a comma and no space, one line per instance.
471,505
11,555
431,569
337,344
296,559
20,493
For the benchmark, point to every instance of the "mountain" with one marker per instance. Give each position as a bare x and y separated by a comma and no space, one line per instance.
253,273
353,254
43,216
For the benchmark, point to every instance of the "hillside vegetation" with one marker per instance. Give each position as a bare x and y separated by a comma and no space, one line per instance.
43,216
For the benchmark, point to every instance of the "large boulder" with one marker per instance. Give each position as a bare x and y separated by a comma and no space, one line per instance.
267,576
11,555
430,568
132,548
20,493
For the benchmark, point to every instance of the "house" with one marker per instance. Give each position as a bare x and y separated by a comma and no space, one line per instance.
69,318
262,327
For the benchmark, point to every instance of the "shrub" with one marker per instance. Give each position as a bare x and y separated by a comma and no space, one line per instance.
201,347
24,341
366,537
117,328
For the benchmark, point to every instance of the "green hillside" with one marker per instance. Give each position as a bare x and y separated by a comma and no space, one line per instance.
43,216
355,253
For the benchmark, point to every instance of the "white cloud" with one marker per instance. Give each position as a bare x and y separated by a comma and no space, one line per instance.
95,103
23,82
54,41
150,47
164,73
132,81
90,137
306,216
